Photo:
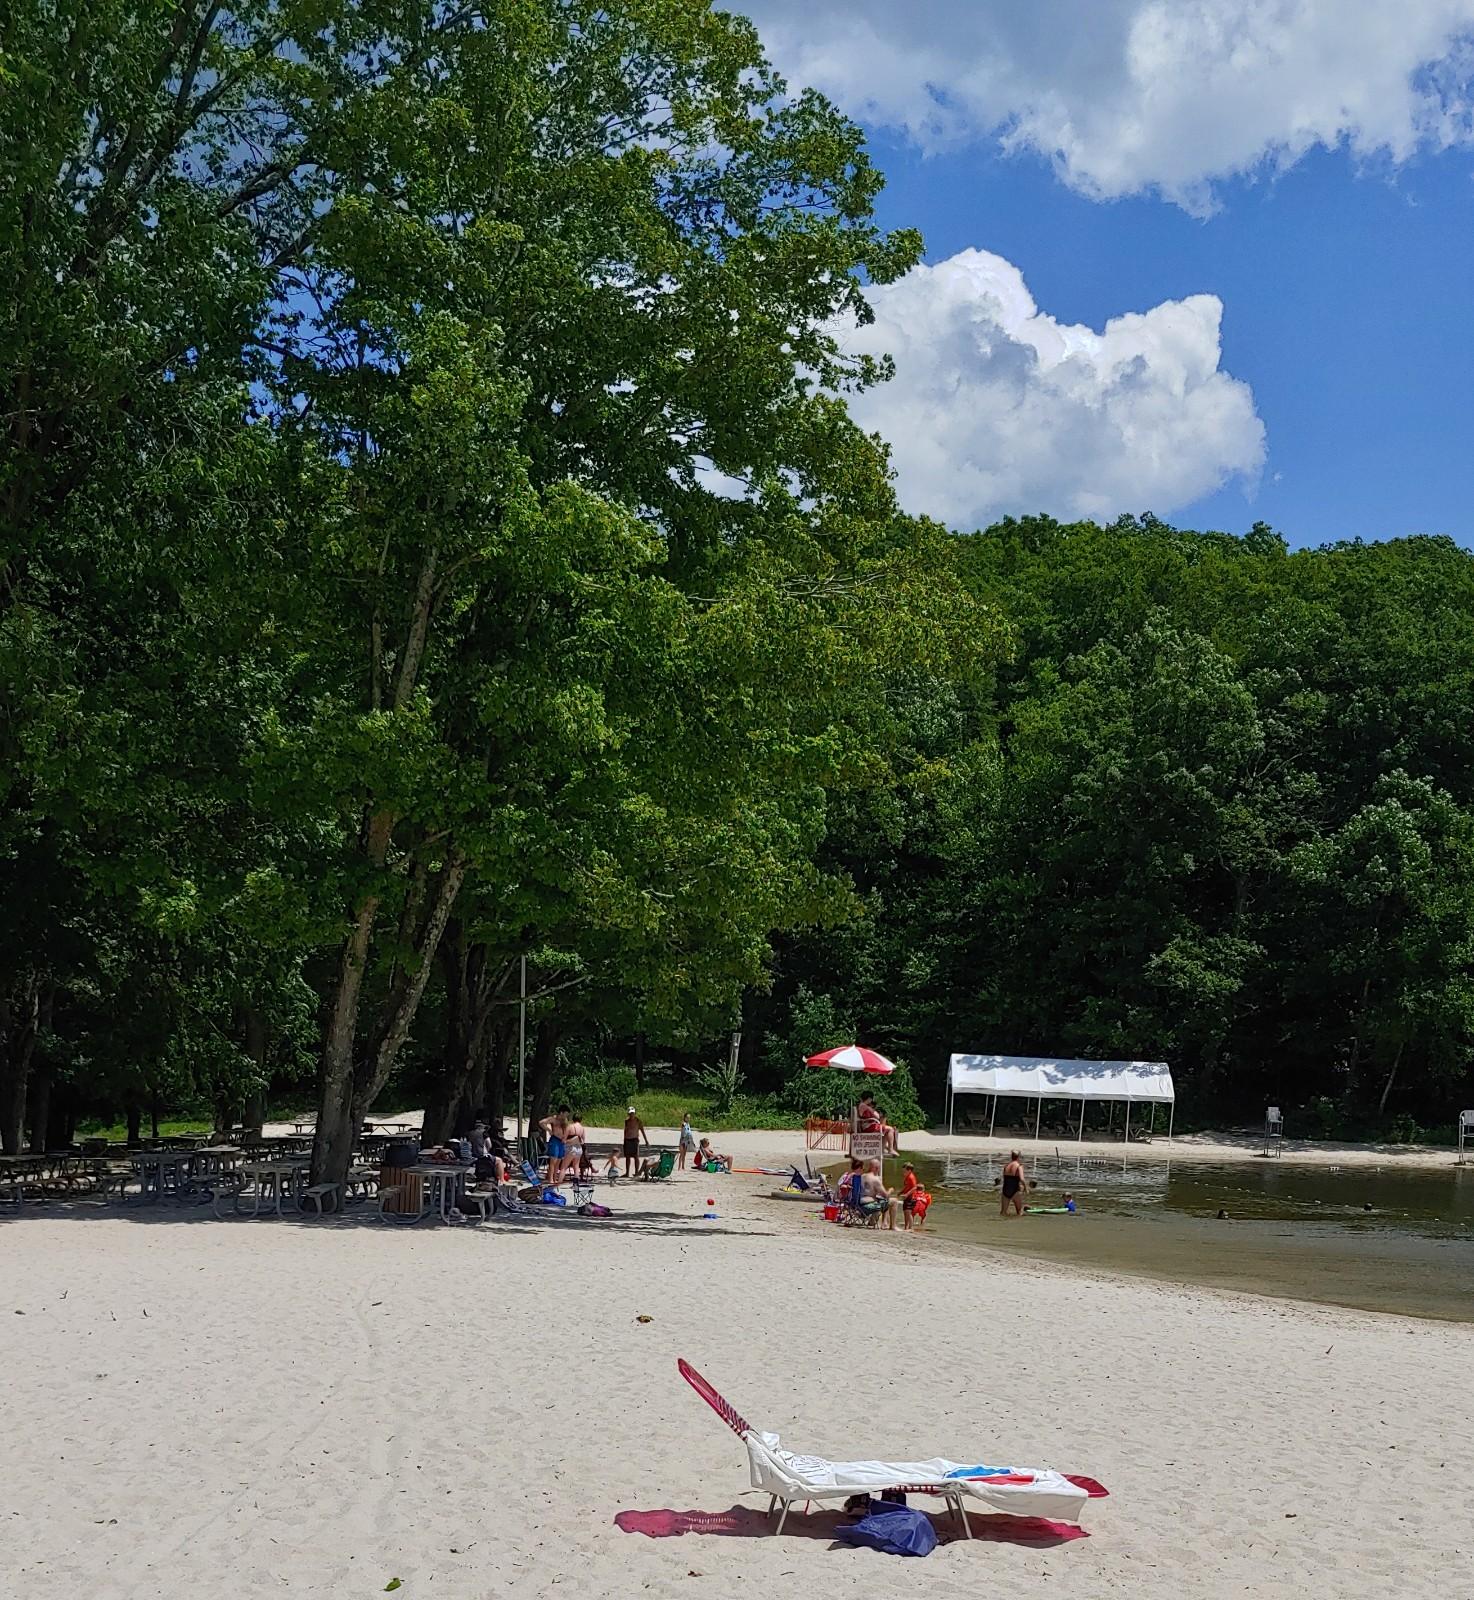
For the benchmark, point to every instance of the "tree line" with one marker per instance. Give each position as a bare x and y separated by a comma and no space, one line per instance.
432,538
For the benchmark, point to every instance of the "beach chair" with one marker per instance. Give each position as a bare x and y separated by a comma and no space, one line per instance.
787,1478
662,1168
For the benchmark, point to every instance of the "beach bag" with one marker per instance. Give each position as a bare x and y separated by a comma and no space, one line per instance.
896,1531
590,1209
551,1197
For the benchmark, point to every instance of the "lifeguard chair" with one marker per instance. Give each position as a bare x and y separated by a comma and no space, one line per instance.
1466,1132
1274,1131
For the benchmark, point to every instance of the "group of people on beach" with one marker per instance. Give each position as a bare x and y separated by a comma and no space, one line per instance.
569,1155
862,1189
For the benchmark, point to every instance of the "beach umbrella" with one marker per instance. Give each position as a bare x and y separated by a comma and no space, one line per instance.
852,1058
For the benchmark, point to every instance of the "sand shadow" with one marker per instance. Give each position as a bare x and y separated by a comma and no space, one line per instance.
750,1522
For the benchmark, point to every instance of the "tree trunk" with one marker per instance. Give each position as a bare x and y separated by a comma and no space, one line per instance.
346,1087
135,1126
40,1109
253,1025
1391,1079
639,1060
18,1027
332,1142
405,998
471,992
540,1084
153,1112
498,1058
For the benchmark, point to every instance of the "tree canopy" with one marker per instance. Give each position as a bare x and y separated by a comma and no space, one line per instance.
432,536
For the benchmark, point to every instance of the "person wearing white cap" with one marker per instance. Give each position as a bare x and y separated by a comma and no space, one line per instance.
634,1131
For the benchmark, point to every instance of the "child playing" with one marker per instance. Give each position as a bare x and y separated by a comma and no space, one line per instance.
611,1168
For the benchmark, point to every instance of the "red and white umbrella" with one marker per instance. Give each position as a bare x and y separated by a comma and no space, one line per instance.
852,1058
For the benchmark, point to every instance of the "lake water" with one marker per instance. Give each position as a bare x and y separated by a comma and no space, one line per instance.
1293,1230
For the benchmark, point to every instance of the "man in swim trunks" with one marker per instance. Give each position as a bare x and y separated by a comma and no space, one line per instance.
1015,1186
556,1129
634,1131
875,1198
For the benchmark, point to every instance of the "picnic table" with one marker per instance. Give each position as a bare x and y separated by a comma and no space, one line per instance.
177,1172
275,1180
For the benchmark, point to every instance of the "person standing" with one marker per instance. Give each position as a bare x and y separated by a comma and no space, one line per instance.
687,1142
574,1147
634,1131
555,1128
1015,1186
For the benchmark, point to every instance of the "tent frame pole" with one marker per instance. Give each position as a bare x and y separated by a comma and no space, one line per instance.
1079,1137
1038,1113
1171,1117
1126,1139
993,1116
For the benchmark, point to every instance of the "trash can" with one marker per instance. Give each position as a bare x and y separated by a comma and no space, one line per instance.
401,1190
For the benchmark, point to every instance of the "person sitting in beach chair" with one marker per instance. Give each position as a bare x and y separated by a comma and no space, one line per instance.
865,1198
658,1171
869,1120
707,1159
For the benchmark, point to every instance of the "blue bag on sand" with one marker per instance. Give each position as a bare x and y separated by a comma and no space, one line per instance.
898,1531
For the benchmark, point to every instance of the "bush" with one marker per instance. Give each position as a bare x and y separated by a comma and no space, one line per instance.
1405,1129
601,1084
824,1092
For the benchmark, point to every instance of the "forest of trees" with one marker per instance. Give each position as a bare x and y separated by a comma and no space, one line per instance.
432,535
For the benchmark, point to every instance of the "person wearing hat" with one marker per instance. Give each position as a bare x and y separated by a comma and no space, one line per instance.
634,1131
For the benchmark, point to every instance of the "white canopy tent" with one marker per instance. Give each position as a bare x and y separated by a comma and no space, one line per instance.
1041,1078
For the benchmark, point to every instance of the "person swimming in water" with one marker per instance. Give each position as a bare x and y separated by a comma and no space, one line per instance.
1015,1186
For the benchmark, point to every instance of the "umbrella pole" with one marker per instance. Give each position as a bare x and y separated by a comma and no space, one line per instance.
1038,1113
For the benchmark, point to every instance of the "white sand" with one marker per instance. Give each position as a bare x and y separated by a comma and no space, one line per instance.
193,1407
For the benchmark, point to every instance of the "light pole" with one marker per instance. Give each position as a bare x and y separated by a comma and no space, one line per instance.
521,1052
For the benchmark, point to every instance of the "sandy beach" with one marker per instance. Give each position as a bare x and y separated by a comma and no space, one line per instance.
318,1409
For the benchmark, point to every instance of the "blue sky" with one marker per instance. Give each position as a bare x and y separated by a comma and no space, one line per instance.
1208,258
1348,293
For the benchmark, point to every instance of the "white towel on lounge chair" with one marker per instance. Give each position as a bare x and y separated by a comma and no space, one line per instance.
780,1472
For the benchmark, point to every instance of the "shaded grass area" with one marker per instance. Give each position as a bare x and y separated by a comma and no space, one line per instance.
188,1123
661,1107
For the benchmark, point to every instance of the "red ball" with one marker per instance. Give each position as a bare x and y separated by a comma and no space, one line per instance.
710,1201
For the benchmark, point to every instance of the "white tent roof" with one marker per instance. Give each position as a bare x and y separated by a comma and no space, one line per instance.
1041,1077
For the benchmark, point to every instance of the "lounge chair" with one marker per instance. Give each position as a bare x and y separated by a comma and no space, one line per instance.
662,1168
787,1478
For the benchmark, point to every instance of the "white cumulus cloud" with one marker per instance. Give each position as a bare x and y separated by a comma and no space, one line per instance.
1130,95
998,408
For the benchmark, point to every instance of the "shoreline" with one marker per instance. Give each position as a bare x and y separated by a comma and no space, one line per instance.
774,1146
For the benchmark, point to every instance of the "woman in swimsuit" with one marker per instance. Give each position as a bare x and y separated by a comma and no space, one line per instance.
687,1143
1015,1185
